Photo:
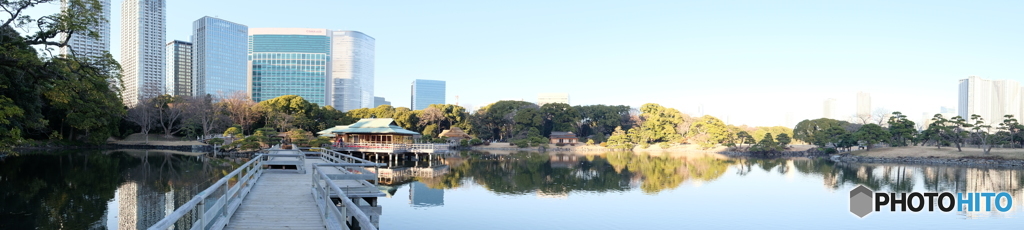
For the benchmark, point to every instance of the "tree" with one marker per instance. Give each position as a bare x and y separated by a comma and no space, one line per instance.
241,110
766,145
984,136
202,111
745,138
1013,129
658,124
169,110
783,140
619,140
872,134
432,117
820,131
708,131
143,115
902,129
559,117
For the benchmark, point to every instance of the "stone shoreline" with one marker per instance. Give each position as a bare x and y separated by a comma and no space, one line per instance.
972,162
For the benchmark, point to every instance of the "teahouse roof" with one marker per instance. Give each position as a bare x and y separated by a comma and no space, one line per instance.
375,126
562,135
327,132
454,132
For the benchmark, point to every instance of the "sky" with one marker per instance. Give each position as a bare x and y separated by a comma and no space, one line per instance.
759,63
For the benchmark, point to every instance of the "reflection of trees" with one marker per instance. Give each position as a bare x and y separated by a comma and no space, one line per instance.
71,189
527,172
51,191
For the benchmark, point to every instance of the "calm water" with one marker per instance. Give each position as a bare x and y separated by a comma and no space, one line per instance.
477,190
631,191
126,189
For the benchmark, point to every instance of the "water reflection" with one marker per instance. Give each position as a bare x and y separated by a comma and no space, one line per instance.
560,175
73,190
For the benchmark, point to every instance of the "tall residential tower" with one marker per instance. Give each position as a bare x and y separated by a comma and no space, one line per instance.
81,43
142,49
219,59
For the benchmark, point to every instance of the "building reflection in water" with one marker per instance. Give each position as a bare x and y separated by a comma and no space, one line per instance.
422,196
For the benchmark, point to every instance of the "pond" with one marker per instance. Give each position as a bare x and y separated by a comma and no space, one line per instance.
92,189
523,190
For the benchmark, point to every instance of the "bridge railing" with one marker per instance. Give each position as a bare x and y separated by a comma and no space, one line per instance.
212,208
332,156
336,215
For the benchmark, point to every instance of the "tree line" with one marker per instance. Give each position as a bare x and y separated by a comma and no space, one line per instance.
898,131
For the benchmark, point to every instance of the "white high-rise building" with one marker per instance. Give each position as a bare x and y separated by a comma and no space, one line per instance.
352,57
143,35
81,43
829,109
991,99
545,98
863,104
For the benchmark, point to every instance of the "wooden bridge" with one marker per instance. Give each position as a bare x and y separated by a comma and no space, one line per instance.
284,190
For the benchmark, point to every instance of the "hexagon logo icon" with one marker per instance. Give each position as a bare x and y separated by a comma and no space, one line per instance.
860,201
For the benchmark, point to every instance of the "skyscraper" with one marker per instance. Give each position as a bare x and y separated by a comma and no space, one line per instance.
427,92
219,58
81,43
991,99
829,109
178,81
289,61
352,57
142,49
378,101
545,98
863,104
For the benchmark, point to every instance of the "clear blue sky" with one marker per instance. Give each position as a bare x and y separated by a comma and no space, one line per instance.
750,62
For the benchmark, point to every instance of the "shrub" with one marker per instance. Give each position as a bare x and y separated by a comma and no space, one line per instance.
663,145
590,142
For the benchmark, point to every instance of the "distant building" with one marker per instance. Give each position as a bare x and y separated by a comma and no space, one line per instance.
178,81
378,101
863,104
219,58
829,109
143,34
991,99
82,44
545,98
289,61
352,63
565,138
427,92
945,109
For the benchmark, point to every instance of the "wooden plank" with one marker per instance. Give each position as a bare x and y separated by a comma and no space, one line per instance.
279,201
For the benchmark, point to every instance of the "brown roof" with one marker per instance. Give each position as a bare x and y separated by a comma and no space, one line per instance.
561,135
454,132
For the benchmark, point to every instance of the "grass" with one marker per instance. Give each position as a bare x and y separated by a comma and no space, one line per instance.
156,139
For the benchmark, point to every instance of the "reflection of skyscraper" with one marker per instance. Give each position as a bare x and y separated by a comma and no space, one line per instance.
422,196
139,207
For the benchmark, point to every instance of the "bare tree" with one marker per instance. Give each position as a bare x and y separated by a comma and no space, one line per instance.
201,110
432,115
169,110
143,115
861,119
241,109
881,116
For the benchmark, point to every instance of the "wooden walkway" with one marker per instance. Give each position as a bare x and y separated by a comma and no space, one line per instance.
280,200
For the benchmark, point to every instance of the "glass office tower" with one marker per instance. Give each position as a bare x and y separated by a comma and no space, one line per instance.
219,57
427,92
289,61
178,81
